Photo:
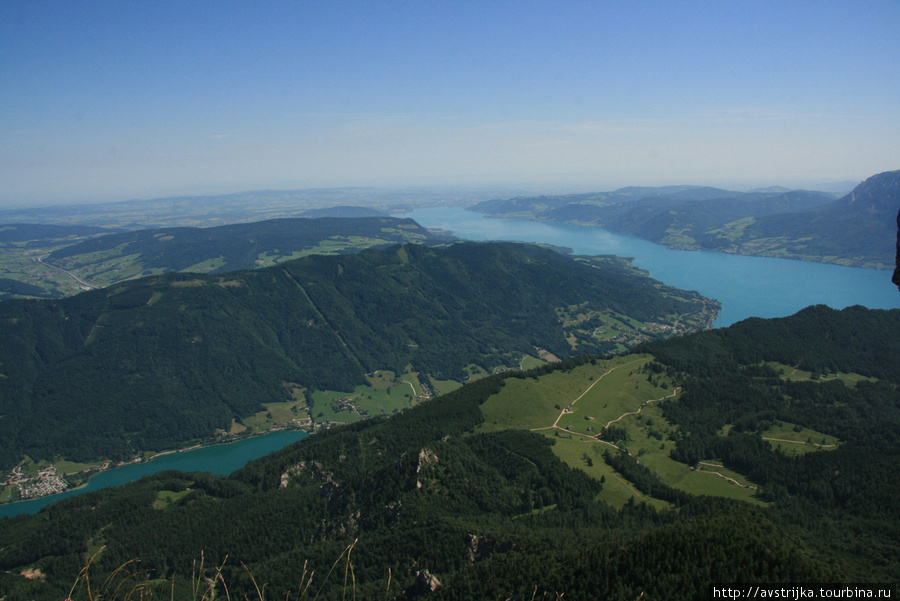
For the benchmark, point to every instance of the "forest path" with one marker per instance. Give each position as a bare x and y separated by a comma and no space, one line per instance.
589,388
721,475
644,404
821,446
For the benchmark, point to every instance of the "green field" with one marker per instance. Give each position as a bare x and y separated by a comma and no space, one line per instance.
588,457
384,394
796,440
164,498
529,362
330,246
70,467
575,407
8,494
19,261
795,374
535,403
443,386
275,415
206,266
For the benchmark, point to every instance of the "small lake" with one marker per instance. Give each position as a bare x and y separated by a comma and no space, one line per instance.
218,459
746,286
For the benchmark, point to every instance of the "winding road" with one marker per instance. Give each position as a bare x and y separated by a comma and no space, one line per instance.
68,273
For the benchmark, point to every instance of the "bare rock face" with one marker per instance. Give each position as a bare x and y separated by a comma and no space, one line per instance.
291,472
416,464
426,582
426,456
481,548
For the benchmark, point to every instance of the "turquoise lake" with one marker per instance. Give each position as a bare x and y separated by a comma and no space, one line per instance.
218,459
746,286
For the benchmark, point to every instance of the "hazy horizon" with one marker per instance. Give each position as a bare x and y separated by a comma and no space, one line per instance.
106,101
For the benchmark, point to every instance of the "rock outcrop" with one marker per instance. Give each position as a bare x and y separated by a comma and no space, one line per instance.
425,583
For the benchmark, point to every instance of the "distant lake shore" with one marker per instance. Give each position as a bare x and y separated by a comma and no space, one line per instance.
747,286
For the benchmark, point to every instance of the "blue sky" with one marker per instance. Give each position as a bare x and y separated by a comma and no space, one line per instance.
117,100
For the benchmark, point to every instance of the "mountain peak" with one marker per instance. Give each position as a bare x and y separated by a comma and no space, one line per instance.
879,193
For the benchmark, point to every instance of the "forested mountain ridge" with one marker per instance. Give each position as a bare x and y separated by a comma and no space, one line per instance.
493,514
35,233
860,227
856,230
220,249
152,363
53,261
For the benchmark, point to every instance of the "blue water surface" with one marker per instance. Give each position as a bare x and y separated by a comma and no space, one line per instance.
218,459
746,286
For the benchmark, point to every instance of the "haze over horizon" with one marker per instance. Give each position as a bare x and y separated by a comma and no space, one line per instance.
106,101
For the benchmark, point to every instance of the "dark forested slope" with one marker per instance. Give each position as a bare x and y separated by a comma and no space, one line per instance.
498,515
152,363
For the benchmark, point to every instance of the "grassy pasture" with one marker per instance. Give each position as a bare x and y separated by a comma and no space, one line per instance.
529,362
794,374
385,393
719,482
648,439
794,440
324,407
329,246
616,490
276,414
19,262
164,498
207,266
444,386
389,392
620,391
582,402
535,403
65,468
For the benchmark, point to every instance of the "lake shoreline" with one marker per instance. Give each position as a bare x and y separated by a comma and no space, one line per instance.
825,260
148,466
745,285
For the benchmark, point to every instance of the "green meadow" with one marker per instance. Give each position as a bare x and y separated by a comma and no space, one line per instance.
794,374
575,407
793,439
588,456
19,261
589,396
164,498
385,393
65,468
